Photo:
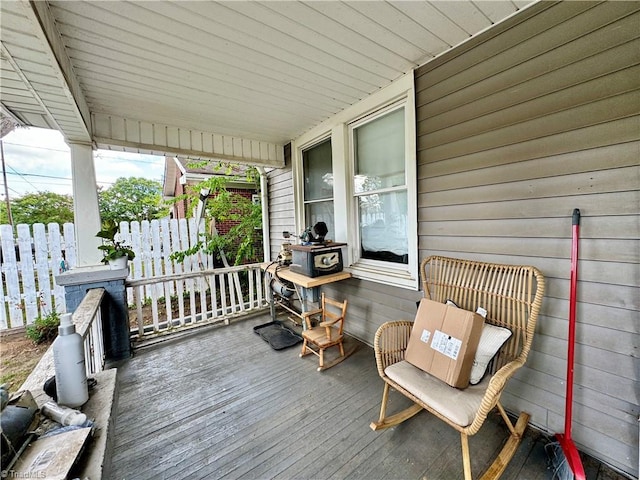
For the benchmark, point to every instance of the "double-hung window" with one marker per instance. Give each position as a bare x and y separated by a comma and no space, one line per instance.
357,173
380,187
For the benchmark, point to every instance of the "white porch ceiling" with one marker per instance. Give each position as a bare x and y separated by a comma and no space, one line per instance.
256,71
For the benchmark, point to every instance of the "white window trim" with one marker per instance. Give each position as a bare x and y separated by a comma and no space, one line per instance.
298,177
337,127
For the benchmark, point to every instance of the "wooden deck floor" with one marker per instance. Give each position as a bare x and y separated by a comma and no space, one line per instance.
221,404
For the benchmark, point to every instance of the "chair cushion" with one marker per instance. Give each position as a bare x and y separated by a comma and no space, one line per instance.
491,340
459,406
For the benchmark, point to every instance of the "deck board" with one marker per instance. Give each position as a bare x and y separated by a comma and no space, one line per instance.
221,404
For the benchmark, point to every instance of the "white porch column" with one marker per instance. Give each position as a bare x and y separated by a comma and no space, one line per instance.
264,201
85,204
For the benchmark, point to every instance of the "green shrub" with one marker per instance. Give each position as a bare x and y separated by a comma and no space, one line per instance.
44,328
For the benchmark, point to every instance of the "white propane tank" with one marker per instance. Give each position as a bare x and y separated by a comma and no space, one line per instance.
68,359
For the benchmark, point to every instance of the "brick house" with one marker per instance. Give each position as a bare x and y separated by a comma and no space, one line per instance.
180,175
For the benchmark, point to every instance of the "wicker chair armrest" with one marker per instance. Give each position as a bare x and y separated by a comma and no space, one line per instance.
501,377
492,394
390,342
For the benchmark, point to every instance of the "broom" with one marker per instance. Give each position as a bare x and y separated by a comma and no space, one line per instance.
564,454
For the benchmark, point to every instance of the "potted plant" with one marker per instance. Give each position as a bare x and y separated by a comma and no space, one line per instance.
115,252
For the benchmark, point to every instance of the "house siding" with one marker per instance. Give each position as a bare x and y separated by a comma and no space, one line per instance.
281,203
515,130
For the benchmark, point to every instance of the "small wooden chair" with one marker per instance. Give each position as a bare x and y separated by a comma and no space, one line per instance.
328,333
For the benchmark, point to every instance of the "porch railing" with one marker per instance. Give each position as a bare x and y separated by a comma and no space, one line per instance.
178,301
88,321
213,296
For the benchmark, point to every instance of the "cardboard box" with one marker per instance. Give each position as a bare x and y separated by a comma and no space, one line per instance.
443,341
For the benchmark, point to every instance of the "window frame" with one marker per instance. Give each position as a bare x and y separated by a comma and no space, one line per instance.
298,178
339,129
355,196
306,203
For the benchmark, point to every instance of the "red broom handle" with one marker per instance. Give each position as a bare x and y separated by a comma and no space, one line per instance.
568,447
572,322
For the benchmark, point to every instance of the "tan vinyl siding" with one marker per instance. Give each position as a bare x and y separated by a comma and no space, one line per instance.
371,304
515,130
281,203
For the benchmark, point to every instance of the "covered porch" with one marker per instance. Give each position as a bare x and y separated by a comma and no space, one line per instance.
221,403
516,112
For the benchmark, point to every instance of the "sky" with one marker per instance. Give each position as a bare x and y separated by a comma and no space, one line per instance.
38,159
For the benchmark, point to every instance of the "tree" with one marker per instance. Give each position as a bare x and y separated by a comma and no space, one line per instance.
130,199
224,205
40,207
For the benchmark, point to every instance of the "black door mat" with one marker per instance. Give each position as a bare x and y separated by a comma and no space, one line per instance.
277,335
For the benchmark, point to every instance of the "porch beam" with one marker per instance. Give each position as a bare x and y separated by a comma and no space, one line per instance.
146,137
52,45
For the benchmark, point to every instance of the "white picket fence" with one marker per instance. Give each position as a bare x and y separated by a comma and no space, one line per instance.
28,288
154,242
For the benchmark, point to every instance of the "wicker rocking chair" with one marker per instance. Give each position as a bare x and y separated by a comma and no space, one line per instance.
512,295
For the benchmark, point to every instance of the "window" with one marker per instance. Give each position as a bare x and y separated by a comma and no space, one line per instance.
380,187
357,173
318,186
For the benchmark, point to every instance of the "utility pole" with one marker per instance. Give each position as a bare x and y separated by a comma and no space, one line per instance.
6,187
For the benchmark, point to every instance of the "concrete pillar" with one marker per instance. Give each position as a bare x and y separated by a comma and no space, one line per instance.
85,204
115,311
